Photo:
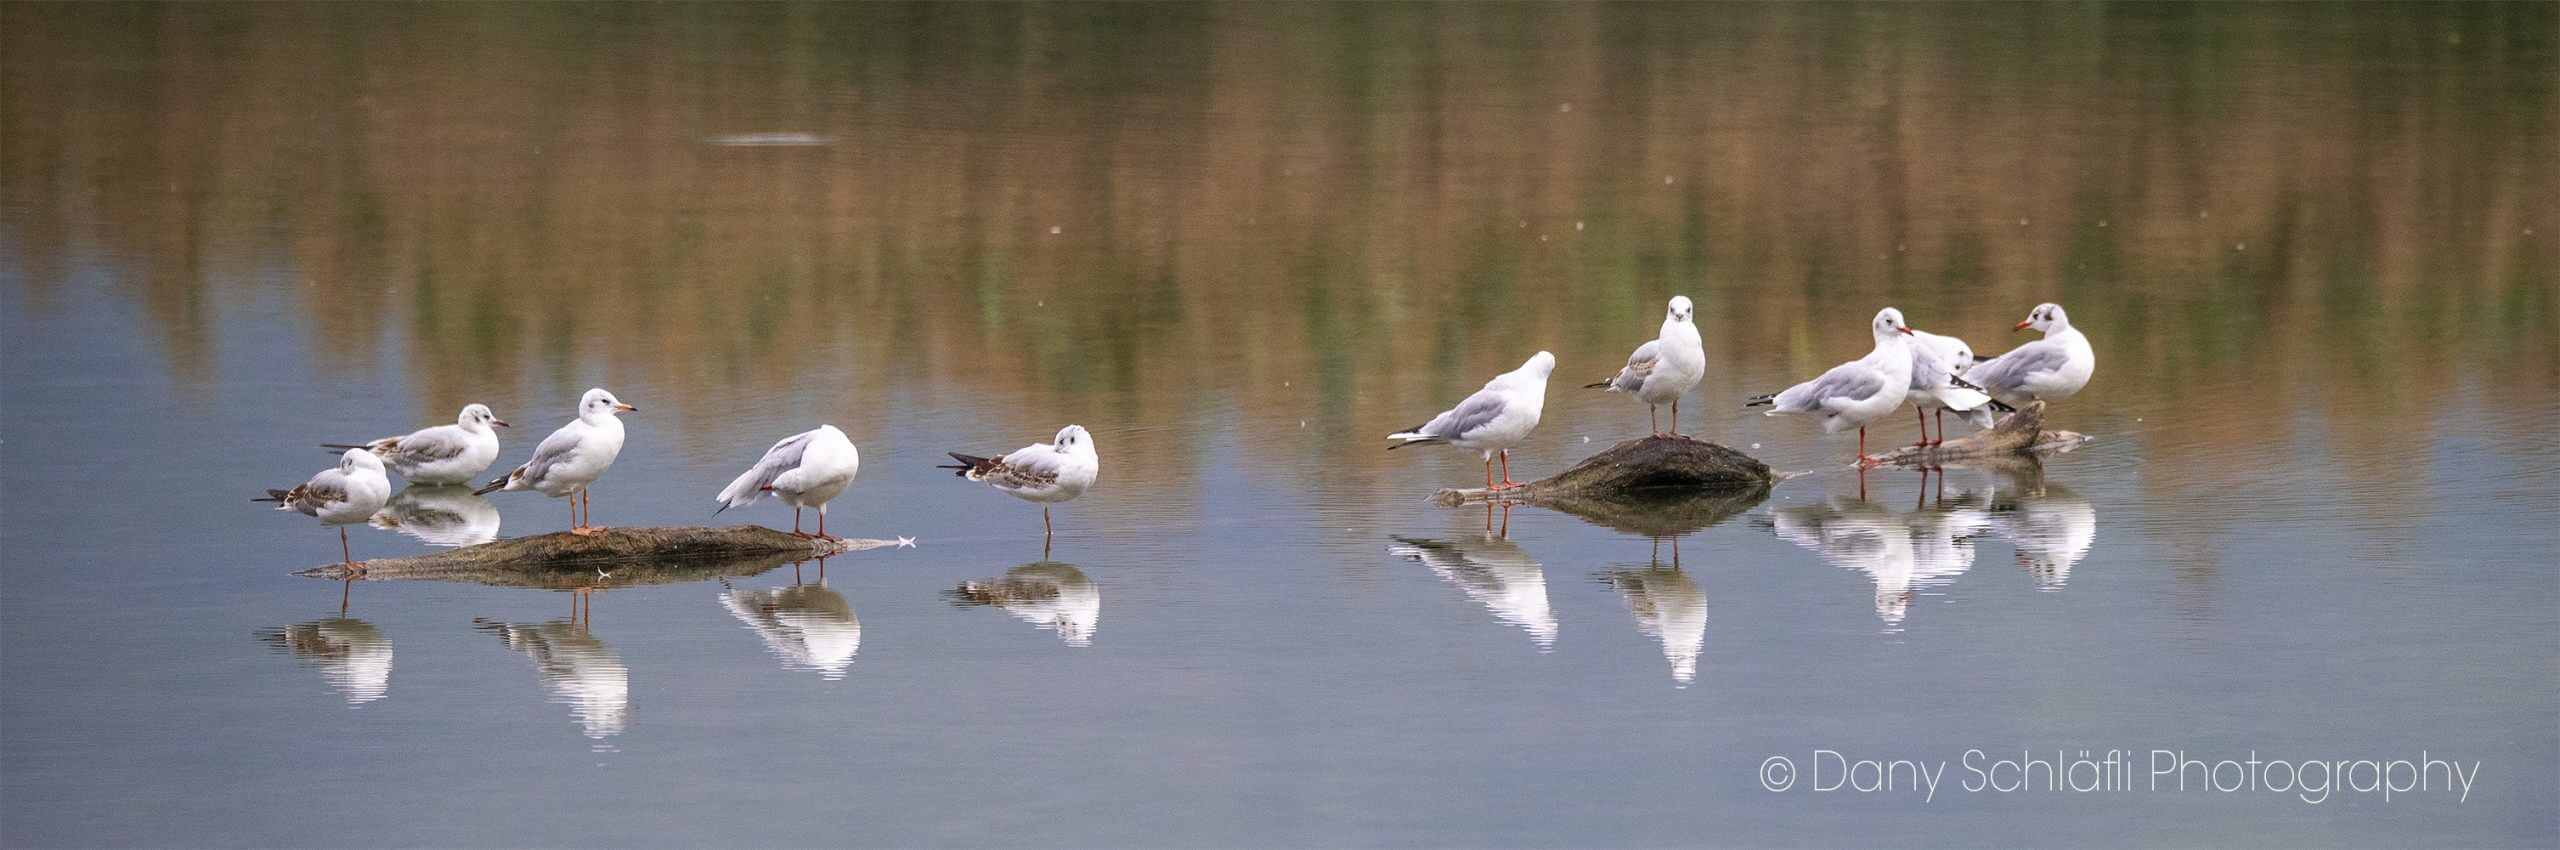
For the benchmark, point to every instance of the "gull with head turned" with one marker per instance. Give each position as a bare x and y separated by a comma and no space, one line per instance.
1857,393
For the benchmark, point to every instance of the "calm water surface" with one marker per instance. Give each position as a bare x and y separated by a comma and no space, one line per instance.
2314,247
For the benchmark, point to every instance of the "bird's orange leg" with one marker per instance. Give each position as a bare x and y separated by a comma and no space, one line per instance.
1046,528
1942,428
1923,416
1863,460
1488,473
1507,483
795,523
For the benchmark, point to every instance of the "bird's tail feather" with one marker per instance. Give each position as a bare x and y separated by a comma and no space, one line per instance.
1599,386
340,447
274,495
493,486
966,465
1759,400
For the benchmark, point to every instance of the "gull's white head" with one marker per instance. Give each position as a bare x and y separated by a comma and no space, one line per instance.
1681,310
1073,438
1889,324
477,417
600,403
356,459
1540,364
2046,317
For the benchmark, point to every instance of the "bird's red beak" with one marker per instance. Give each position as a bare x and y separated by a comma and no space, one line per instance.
2021,326
625,407
1905,331
500,423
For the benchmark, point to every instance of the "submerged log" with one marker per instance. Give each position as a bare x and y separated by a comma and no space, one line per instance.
1657,467
2020,433
629,555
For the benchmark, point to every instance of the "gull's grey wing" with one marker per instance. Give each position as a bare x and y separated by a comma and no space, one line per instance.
2011,371
1031,466
1639,365
555,450
432,444
1852,381
324,489
783,457
1476,412
1929,368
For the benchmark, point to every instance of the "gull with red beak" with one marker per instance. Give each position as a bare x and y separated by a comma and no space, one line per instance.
2044,370
572,457
444,454
1857,393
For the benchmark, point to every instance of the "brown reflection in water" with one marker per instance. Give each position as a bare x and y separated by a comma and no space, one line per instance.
1337,214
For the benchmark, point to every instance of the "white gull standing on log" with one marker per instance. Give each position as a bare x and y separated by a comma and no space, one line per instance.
1664,369
443,454
2044,370
572,457
343,496
1935,362
1493,420
1046,473
805,470
1857,393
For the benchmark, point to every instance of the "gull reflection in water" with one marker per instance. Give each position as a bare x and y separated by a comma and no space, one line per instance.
1494,572
808,626
440,515
1901,553
1669,608
577,669
1047,594
351,654
2051,527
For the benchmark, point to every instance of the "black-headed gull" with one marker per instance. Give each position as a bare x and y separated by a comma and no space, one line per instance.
1047,473
1857,393
1935,362
805,470
1663,370
1493,420
342,496
2044,370
444,454
572,457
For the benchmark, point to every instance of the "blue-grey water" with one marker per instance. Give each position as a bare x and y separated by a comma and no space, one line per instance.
2313,247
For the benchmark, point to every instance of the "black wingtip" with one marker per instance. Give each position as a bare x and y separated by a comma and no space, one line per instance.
1757,401
1599,386
1998,407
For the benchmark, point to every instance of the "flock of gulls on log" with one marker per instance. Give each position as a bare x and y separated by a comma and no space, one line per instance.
808,470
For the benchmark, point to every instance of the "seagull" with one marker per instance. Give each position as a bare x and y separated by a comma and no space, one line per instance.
444,454
572,457
2044,370
1047,473
1857,393
1663,370
1493,420
341,497
1935,360
808,469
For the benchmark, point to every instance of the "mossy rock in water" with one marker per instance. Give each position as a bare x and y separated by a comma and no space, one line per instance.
634,555
1653,467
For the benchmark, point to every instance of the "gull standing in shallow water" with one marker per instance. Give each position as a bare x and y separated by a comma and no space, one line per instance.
444,454
2044,370
808,469
1935,362
572,457
341,497
1047,473
1857,393
1493,420
1663,370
